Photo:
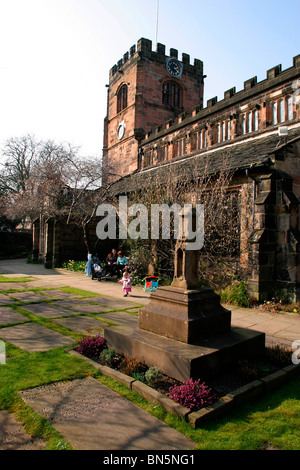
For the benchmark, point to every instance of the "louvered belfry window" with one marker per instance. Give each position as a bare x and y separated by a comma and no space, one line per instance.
122,98
171,94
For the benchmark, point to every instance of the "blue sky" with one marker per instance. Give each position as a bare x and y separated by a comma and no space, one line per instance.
56,54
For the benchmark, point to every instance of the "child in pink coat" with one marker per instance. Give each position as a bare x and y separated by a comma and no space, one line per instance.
126,281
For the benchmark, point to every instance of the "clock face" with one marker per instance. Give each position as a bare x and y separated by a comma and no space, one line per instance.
121,130
174,67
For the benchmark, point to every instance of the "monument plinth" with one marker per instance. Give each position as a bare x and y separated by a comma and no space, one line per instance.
184,315
184,330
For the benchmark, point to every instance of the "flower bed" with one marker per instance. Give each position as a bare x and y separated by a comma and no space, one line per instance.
77,266
192,394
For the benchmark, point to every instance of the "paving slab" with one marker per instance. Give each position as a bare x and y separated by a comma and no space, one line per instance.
29,296
8,315
92,417
13,435
15,285
82,306
82,324
113,303
33,337
60,294
5,300
122,318
271,326
48,310
240,315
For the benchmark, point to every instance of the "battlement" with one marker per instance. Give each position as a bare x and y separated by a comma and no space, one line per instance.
251,86
274,77
143,49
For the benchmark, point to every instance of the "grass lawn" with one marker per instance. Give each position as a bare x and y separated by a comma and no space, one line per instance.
15,279
272,421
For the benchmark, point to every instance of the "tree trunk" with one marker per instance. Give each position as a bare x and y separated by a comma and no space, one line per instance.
86,237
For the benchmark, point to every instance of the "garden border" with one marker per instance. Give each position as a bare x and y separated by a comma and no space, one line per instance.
254,389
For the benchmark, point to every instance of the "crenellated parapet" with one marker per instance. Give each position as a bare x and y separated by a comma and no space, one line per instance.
233,101
144,50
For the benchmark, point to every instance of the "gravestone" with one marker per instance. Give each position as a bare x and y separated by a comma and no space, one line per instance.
184,330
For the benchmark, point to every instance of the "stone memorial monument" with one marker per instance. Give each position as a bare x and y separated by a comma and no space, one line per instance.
184,330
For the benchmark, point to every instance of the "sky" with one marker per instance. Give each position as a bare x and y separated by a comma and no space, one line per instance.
55,55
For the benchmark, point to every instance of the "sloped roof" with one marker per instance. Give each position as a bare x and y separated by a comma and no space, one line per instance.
233,157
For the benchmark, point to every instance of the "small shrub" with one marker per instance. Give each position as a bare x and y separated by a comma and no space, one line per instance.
192,394
138,376
236,294
77,266
248,370
91,346
108,356
152,375
132,365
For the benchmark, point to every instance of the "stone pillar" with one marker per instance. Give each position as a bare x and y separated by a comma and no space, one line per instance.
274,242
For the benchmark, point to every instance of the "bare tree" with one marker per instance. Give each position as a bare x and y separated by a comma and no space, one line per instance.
50,180
197,182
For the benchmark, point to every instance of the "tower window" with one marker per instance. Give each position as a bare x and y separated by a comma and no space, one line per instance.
122,98
171,94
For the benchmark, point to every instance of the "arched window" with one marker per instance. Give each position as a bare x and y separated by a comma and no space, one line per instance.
289,104
122,98
244,128
250,122
199,140
256,122
282,111
171,94
179,148
274,113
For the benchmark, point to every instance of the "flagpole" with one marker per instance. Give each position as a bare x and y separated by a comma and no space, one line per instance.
157,12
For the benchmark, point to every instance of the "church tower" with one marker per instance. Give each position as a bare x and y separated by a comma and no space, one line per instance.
146,89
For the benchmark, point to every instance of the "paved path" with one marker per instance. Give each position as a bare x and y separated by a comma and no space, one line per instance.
71,406
88,414
277,327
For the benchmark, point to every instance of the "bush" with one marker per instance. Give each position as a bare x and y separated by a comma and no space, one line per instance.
108,356
91,346
192,394
236,294
248,370
132,365
77,266
152,375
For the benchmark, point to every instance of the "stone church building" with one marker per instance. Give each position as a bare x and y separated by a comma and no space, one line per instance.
156,119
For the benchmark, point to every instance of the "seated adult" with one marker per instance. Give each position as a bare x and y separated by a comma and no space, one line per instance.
121,262
111,263
122,259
